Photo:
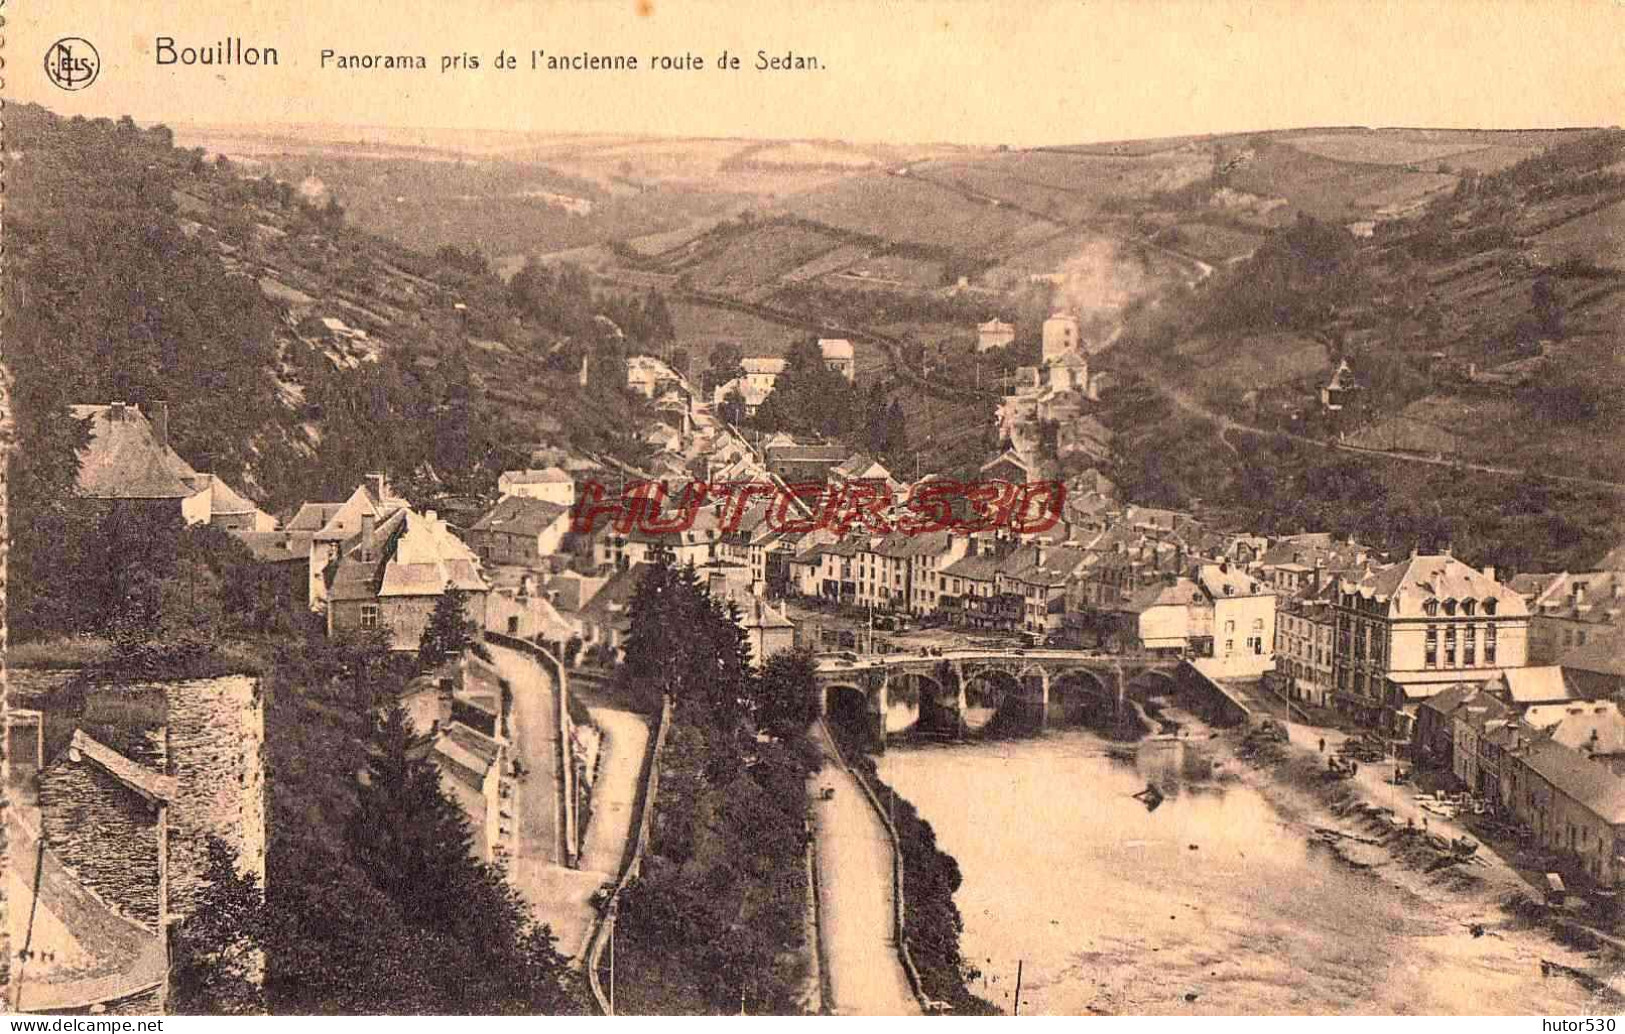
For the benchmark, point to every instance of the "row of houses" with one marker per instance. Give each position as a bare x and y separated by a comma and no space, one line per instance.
1377,639
1539,751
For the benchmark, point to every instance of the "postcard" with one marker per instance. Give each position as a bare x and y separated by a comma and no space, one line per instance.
688,507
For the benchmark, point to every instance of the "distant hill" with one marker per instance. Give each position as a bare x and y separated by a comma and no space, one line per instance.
509,195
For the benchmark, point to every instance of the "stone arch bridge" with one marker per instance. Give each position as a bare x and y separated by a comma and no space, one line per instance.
968,690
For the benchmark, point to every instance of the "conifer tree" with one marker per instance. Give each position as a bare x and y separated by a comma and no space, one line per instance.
217,957
448,632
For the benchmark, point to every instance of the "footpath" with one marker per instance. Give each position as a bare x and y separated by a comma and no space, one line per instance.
854,872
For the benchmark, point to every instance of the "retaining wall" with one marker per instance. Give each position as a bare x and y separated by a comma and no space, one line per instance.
899,923
1209,697
569,831
633,862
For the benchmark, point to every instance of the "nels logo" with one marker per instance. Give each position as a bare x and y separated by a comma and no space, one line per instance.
72,63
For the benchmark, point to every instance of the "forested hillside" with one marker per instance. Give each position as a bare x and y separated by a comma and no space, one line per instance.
141,272
1485,337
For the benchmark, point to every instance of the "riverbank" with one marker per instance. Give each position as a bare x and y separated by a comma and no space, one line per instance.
1216,898
1361,824
930,876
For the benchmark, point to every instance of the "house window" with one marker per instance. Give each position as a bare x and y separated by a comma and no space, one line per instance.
1469,607
1469,647
1450,647
1450,607
1229,626
1430,647
1489,606
1489,641
369,615
1430,608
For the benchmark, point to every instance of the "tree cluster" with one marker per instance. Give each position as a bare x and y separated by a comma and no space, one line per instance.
715,920
810,399
374,902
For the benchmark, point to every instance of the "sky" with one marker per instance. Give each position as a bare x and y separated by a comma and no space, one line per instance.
1018,72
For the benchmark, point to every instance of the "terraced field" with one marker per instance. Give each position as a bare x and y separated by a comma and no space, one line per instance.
1381,148
1597,238
907,209
757,258
1329,190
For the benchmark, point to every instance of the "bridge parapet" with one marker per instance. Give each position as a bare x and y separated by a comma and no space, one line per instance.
977,682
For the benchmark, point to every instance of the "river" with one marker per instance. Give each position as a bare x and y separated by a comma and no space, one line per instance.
1209,904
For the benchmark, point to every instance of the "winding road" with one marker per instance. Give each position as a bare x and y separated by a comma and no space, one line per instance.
560,896
1226,425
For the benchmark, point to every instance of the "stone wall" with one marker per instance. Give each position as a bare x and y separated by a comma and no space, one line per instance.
1204,695
106,833
216,740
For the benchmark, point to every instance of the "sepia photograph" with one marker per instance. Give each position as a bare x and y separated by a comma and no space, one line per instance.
682,508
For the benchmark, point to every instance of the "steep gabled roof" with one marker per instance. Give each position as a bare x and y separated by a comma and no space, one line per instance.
313,517
1539,685
1007,456
1183,592
417,556
125,460
1447,700
520,515
225,500
1596,726
1041,565
1226,581
975,568
346,520
1590,783
609,604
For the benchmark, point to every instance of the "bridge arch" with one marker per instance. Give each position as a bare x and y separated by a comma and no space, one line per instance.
842,700
1153,682
917,699
985,689
1079,696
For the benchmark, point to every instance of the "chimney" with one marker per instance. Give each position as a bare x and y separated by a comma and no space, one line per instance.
1489,571
369,537
115,412
378,484
160,422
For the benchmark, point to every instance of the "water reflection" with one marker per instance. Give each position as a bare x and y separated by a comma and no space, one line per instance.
1208,903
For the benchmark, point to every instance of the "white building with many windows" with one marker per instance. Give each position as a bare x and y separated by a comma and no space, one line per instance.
1411,629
